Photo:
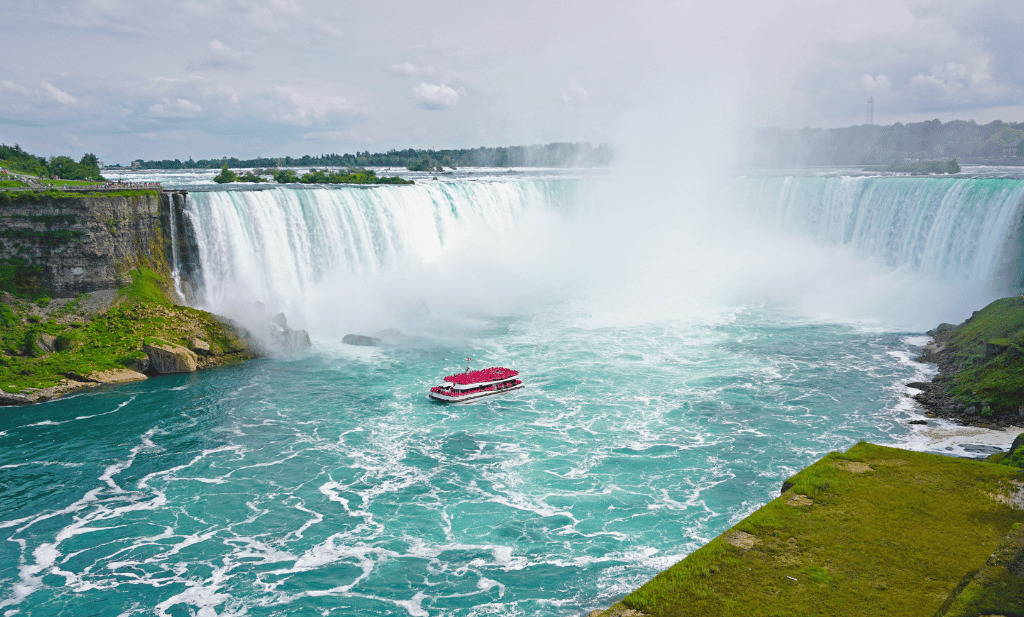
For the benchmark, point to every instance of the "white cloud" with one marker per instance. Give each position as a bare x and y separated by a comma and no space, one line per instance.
222,57
9,86
406,68
57,95
178,108
435,96
292,107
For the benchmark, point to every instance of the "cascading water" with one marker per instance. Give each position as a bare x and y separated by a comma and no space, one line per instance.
953,229
277,246
329,484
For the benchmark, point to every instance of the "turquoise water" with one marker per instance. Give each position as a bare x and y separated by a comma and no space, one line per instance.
683,356
329,484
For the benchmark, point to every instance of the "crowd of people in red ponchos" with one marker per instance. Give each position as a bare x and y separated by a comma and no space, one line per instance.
449,391
494,373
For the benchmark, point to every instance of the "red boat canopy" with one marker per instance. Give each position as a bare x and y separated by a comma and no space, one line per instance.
495,373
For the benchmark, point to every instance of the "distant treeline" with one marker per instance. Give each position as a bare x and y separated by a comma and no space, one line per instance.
581,154
871,144
13,158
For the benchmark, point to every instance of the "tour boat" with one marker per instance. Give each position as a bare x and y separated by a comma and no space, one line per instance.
472,385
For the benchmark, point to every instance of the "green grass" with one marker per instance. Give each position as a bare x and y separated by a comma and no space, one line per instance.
1002,319
899,539
997,382
108,341
11,184
997,589
146,286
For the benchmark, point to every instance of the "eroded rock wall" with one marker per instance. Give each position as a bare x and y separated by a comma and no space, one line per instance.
82,244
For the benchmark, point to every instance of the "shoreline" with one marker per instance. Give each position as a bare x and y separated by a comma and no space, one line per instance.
113,336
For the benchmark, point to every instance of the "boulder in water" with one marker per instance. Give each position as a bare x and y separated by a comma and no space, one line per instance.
290,341
166,358
360,340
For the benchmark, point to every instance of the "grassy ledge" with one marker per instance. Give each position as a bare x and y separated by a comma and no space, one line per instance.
873,531
45,345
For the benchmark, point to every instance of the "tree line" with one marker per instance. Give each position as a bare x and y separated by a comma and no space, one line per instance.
13,158
872,144
580,154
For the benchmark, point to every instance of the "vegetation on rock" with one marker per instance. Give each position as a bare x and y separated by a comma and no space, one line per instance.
873,531
981,364
85,343
920,168
225,175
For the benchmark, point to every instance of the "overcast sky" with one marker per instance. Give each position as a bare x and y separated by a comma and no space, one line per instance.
160,79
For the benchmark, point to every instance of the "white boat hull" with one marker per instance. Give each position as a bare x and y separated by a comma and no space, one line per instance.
465,398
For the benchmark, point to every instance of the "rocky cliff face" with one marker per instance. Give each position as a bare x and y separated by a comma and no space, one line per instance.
84,243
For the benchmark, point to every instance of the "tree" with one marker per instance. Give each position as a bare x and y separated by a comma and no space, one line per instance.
225,175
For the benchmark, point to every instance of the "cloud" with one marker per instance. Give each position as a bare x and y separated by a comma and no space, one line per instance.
178,108
435,96
222,57
404,69
57,95
9,86
292,107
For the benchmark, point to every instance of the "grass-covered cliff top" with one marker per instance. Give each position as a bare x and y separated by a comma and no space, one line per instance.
990,348
873,531
44,341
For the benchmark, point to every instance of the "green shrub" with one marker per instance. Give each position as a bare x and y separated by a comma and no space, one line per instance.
68,341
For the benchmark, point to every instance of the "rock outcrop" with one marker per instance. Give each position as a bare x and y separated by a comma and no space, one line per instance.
282,339
167,358
360,340
79,244
979,365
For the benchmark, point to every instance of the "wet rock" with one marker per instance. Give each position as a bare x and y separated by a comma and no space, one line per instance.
116,375
360,340
166,358
280,320
9,398
920,385
925,422
290,341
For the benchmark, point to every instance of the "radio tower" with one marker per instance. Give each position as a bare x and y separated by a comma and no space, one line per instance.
871,110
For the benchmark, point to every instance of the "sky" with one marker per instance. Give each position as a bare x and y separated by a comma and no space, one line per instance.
212,78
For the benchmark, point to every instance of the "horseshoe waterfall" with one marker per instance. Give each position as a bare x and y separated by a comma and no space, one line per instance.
682,358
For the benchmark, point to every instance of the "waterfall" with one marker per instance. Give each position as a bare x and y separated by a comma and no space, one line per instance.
284,242
952,229
376,255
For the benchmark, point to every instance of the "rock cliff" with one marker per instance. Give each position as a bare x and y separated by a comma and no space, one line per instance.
70,243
